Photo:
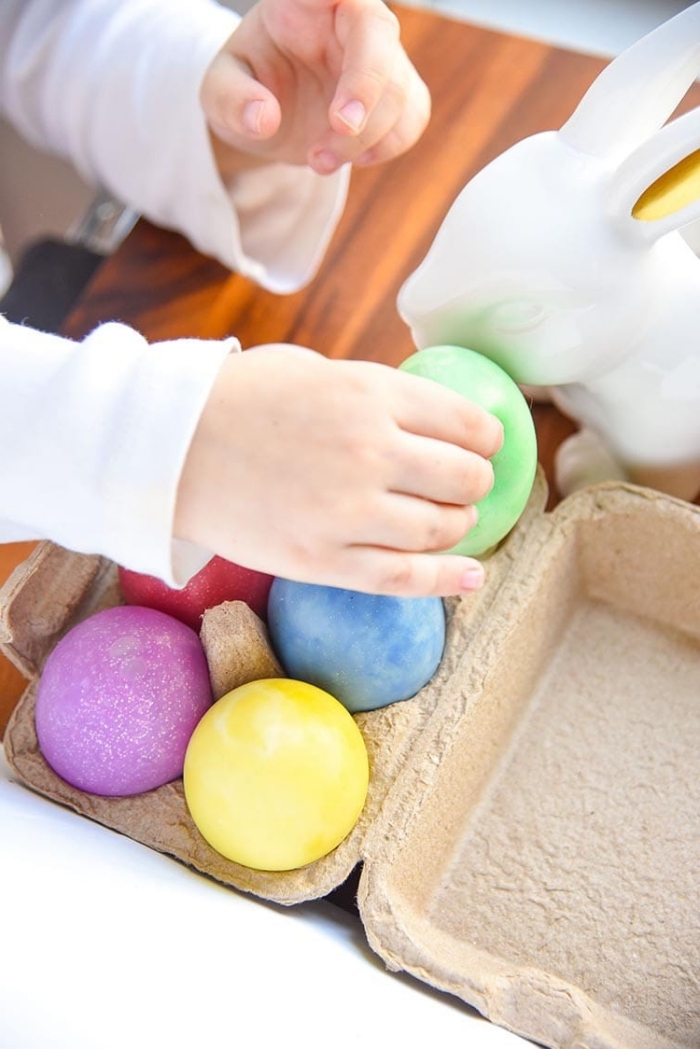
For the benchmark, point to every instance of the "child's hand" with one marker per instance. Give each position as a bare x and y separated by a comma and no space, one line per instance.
337,472
317,82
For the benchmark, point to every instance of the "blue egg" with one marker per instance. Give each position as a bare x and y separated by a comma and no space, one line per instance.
366,650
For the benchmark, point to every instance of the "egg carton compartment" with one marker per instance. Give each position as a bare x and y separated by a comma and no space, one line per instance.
546,871
55,589
529,841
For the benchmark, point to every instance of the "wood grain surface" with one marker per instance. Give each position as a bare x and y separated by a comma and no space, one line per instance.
12,683
489,90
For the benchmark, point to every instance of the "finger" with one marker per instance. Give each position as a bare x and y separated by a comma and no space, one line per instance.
369,36
430,409
400,136
391,128
235,104
377,126
394,573
417,525
441,472
400,117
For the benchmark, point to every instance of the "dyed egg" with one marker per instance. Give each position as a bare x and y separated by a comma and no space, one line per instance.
118,700
365,649
218,581
515,465
276,774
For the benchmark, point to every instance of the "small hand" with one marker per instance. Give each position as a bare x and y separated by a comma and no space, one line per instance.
344,473
317,82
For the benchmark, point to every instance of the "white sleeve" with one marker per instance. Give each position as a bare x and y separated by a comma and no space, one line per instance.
94,437
114,86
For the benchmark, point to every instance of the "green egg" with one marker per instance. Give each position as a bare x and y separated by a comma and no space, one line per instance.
514,466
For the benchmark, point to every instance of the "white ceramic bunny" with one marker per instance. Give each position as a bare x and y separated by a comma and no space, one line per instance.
562,261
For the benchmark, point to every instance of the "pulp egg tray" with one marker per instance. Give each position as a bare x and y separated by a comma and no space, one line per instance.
531,838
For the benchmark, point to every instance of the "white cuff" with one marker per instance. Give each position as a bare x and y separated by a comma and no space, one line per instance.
95,436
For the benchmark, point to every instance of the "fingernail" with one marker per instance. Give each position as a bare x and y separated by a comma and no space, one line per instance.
473,578
325,162
353,114
252,116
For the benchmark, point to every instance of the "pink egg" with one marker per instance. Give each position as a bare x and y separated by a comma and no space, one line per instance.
217,582
118,700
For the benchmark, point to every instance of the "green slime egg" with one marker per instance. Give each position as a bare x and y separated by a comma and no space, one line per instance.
484,383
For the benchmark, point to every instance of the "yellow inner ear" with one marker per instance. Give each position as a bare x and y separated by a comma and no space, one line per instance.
674,190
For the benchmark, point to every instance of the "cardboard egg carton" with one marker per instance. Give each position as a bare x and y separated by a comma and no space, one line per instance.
530,841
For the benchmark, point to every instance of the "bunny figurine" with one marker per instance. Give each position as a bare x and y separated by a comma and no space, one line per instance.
562,261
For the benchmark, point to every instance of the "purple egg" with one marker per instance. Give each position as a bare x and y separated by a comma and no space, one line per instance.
118,700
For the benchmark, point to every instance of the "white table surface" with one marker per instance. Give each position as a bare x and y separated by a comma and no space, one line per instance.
105,944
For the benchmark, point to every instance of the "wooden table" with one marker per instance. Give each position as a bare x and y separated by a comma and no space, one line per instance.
489,89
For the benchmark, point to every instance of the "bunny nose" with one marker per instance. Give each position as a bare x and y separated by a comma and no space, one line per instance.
516,315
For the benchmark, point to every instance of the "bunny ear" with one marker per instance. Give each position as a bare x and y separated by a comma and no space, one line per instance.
635,95
657,188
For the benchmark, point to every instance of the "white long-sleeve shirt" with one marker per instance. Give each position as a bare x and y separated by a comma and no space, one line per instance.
94,434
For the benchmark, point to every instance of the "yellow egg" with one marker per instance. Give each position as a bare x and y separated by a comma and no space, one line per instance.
276,774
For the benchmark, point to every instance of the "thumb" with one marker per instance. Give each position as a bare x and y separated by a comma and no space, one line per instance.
235,104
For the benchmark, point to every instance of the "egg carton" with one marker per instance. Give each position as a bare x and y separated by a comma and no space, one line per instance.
530,840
